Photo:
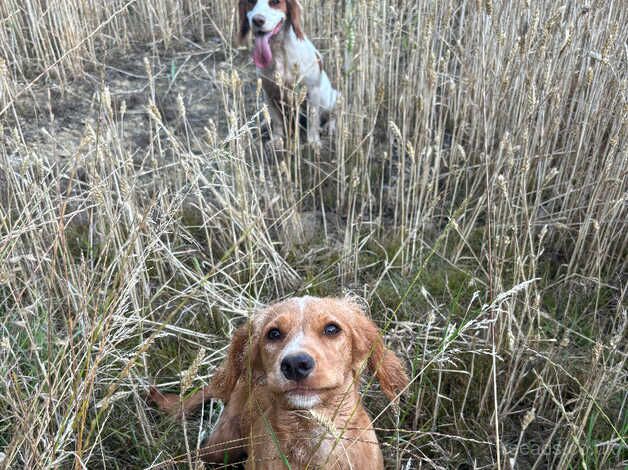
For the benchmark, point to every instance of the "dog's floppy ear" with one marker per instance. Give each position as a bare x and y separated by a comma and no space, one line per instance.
240,359
382,362
243,8
294,15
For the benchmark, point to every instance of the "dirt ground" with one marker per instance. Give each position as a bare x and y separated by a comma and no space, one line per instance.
53,118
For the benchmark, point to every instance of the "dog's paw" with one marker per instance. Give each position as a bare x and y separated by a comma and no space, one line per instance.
331,127
314,140
169,403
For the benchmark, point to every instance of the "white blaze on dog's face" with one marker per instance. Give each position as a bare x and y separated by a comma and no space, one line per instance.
305,346
266,15
266,18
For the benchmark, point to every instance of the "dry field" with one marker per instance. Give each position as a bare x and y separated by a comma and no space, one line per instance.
475,197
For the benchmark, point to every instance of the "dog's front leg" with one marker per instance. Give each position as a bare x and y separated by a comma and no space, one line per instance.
227,443
276,126
314,118
333,112
331,124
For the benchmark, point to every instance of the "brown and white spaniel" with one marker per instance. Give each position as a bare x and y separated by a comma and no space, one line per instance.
282,48
291,387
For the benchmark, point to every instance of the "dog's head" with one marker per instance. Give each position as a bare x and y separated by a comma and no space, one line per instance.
266,17
307,350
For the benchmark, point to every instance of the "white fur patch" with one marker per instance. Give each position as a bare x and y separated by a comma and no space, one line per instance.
303,402
302,302
272,15
294,345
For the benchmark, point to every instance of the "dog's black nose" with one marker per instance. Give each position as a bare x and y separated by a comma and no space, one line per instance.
297,366
259,21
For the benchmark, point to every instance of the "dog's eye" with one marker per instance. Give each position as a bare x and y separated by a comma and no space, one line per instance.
331,330
273,334
274,2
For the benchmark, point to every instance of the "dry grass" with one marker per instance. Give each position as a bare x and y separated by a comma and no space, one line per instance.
475,196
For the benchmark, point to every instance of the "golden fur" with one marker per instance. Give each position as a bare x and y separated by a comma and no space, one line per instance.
316,422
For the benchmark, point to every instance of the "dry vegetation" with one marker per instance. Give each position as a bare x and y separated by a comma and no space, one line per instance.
475,196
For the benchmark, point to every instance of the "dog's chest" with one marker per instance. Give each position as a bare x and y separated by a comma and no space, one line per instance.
288,67
304,443
313,448
279,82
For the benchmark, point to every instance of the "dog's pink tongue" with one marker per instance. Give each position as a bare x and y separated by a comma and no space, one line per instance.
261,53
